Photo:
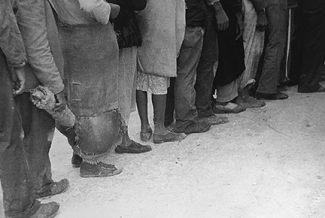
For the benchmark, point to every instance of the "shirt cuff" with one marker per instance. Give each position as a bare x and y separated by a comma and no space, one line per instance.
57,88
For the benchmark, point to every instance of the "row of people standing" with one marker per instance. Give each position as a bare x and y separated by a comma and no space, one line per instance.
179,41
31,55
181,53
214,34
254,54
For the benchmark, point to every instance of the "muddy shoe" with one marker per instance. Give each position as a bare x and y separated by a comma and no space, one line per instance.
98,170
76,161
214,119
47,210
249,102
221,108
266,96
133,148
56,188
198,127
169,137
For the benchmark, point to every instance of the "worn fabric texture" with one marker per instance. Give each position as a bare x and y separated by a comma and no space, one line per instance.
228,92
127,81
38,127
24,162
162,26
274,47
196,13
33,26
156,85
184,94
91,67
205,71
7,104
54,43
253,43
11,41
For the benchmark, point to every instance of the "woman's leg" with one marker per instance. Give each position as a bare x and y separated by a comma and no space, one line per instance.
142,104
161,134
159,106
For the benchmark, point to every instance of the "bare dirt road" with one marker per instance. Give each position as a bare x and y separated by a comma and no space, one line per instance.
264,163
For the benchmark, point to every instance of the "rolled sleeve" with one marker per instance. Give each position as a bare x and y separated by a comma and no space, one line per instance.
98,9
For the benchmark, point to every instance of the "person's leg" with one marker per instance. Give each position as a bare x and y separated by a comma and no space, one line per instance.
253,47
225,95
205,74
283,76
159,106
126,78
227,92
313,51
70,134
127,145
38,126
253,44
170,103
185,110
93,99
275,33
161,134
296,47
142,105
17,185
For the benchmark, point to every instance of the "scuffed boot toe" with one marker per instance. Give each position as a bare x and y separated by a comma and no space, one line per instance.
48,210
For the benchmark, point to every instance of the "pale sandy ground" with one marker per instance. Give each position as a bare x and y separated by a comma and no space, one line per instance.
265,163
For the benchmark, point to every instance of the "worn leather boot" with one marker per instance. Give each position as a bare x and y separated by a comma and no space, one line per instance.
55,189
76,161
48,210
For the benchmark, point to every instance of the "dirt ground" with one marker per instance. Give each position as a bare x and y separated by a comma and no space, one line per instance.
264,163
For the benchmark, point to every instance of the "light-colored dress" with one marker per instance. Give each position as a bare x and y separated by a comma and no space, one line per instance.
162,26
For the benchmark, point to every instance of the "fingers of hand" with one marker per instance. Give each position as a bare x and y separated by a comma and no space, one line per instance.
18,89
59,107
223,25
